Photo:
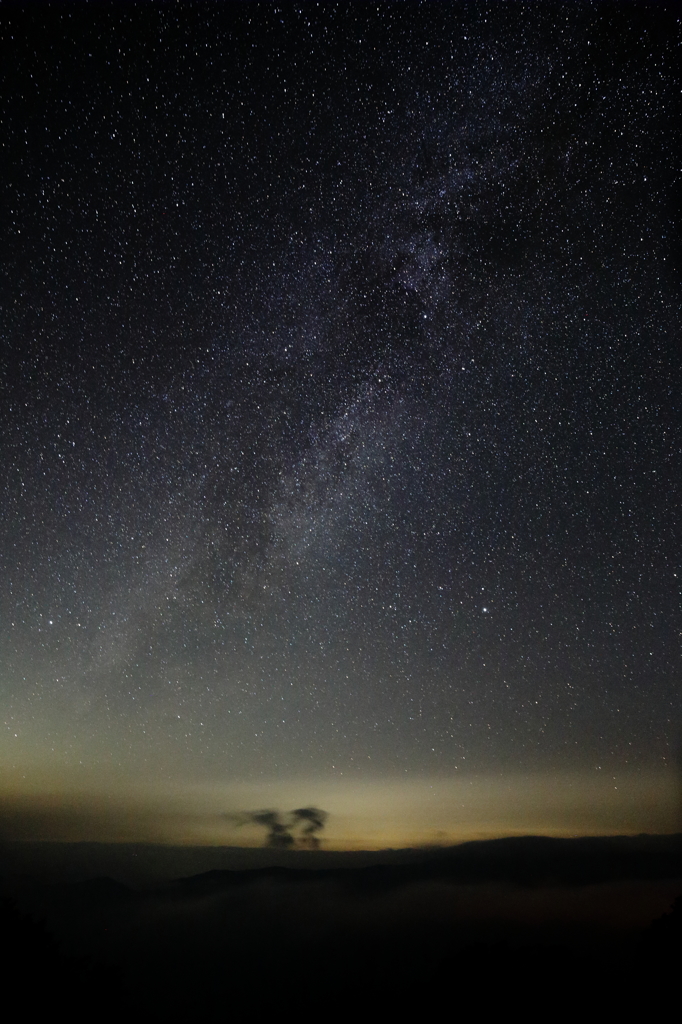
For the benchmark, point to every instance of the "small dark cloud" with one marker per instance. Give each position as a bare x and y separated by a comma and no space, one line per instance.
279,835
284,831
311,820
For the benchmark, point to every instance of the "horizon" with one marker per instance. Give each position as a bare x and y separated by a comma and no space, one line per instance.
361,815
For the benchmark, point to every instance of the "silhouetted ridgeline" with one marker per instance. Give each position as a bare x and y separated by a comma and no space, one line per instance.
528,860
524,860
577,925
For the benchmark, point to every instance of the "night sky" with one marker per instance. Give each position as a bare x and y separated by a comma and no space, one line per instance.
340,421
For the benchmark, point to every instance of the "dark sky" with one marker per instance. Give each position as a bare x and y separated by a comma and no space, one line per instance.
340,394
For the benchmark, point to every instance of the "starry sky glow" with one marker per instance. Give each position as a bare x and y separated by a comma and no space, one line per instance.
340,414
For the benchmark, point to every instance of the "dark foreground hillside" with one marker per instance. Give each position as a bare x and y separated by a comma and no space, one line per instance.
538,926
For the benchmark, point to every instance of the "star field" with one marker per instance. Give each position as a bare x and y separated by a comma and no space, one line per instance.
341,374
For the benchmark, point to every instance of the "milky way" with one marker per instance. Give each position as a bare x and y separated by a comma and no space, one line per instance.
340,368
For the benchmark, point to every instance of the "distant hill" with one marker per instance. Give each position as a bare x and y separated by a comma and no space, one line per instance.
525,860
